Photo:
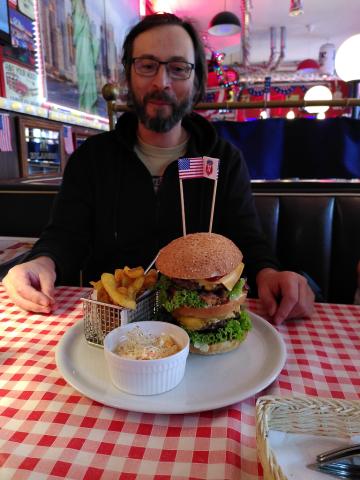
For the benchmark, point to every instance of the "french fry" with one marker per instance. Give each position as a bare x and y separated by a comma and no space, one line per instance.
109,282
134,272
97,285
122,290
125,280
135,287
119,274
124,286
103,296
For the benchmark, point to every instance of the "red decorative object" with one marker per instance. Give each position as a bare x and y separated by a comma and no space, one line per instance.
308,66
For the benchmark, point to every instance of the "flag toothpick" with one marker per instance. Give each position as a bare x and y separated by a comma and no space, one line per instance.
182,207
198,167
211,170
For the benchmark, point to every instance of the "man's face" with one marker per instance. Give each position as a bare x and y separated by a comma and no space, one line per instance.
159,101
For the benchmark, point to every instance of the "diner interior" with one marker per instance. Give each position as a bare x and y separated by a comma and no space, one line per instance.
283,86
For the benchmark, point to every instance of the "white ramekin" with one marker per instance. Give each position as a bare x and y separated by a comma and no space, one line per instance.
146,377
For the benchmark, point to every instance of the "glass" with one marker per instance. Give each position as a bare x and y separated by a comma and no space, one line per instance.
176,69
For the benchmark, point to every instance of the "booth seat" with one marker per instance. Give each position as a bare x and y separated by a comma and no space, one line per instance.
313,228
316,232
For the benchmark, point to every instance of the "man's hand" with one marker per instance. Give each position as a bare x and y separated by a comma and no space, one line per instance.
30,285
284,294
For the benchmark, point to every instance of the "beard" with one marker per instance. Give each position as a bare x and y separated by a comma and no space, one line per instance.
160,122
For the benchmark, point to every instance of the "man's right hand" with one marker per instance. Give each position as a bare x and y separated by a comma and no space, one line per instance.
30,285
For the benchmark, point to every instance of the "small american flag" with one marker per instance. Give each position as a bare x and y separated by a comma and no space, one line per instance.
68,140
190,167
5,135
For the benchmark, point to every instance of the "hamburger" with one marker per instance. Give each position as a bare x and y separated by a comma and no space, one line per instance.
201,287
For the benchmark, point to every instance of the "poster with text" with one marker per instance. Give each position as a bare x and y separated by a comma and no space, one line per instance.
20,83
22,38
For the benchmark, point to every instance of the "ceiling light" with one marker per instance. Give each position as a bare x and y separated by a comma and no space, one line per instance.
347,63
224,23
296,8
319,92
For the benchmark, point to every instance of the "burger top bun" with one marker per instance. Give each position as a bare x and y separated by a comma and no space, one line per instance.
199,256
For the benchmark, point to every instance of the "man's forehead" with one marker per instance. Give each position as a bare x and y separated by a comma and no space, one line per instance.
164,42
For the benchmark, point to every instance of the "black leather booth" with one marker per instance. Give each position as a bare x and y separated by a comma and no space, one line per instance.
312,227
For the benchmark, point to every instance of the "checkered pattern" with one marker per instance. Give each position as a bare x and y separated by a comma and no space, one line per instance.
49,431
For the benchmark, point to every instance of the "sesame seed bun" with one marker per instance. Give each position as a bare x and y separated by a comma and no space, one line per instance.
198,256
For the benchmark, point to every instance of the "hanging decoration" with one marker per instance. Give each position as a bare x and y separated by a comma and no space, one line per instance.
288,90
217,59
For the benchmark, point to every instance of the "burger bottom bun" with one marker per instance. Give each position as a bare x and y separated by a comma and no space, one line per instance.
220,347
218,311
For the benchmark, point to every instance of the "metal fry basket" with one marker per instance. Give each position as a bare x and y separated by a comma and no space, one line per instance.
100,318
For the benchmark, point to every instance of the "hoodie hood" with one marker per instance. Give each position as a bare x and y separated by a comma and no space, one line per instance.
203,135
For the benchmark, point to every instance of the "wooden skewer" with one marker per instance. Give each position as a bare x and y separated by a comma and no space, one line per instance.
182,207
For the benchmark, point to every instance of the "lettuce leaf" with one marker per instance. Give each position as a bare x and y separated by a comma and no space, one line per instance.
237,289
235,329
180,298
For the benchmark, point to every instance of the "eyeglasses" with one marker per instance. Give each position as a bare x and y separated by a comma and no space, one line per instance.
176,69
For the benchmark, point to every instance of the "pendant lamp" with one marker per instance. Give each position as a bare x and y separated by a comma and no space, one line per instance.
224,23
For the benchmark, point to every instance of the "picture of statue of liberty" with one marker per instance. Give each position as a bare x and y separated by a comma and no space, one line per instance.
86,55
81,43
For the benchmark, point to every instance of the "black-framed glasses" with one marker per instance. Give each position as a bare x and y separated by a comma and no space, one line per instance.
176,69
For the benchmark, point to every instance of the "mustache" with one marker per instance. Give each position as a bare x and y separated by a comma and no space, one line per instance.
162,96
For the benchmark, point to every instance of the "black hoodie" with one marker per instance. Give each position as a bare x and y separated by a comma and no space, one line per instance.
107,214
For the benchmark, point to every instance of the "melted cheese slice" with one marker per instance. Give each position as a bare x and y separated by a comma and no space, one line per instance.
231,278
228,280
191,323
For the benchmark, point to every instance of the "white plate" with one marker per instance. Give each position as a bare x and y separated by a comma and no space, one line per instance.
210,381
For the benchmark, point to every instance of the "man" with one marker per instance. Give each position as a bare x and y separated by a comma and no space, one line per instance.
119,200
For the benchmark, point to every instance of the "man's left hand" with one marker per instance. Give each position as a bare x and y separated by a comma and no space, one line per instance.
284,295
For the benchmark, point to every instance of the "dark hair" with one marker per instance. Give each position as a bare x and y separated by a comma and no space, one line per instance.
160,19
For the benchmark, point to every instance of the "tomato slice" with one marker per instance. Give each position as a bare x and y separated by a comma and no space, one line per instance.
214,279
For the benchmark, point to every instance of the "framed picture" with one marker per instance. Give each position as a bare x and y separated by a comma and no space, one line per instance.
85,52
18,82
41,147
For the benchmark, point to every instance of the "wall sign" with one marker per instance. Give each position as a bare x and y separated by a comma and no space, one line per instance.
20,83
27,8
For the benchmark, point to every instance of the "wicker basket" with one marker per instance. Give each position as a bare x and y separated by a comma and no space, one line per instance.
308,415
100,318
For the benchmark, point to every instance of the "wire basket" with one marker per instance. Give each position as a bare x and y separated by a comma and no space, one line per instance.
100,318
309,415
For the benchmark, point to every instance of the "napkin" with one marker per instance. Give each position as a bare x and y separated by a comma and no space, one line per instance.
294,451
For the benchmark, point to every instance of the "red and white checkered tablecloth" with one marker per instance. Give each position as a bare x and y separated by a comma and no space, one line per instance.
50,431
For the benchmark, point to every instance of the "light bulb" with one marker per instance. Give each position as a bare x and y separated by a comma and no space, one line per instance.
263,115
290,115
319,92
347,61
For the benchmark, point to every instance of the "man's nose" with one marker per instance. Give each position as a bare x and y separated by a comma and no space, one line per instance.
162,78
